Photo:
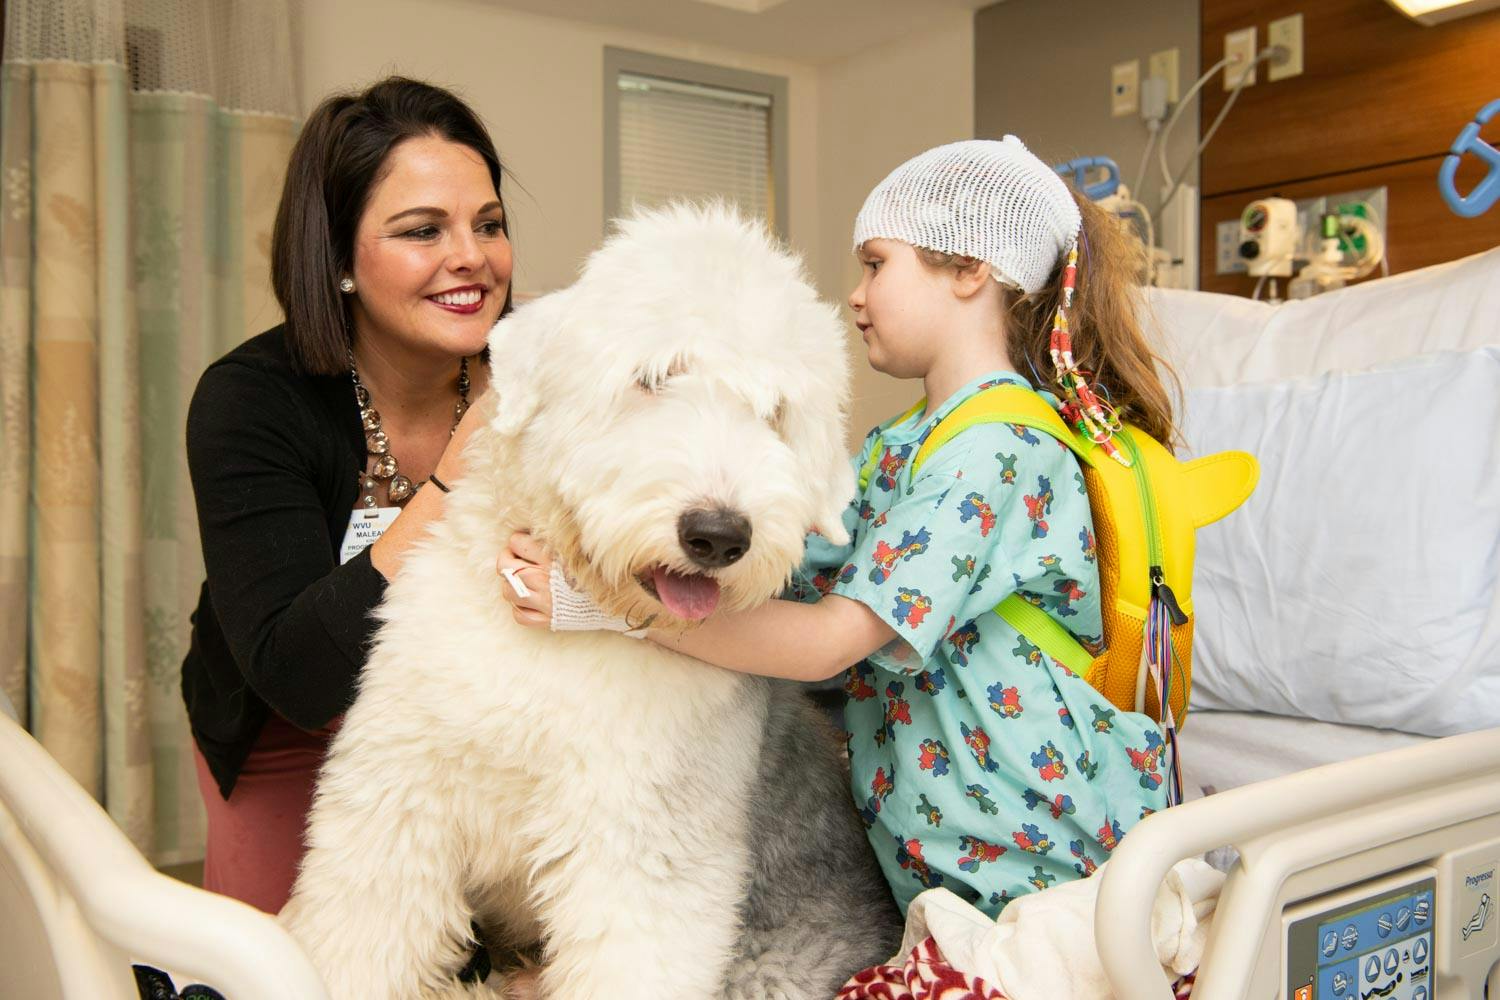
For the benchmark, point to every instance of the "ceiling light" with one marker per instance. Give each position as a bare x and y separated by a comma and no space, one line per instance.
756,6
1437,11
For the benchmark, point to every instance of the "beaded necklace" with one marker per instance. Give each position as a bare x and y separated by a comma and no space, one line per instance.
381,466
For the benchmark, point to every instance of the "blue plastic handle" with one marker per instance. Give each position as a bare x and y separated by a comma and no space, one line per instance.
1487,192
1079,169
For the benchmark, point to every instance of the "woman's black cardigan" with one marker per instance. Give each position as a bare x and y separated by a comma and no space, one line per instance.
275,459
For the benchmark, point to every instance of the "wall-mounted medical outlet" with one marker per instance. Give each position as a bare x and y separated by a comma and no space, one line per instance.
1287,33
1269,237
1125,88
1367,203
1239,49
1164,64
1227,259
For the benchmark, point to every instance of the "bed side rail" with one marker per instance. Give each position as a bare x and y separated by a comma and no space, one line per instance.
97,896
1307,833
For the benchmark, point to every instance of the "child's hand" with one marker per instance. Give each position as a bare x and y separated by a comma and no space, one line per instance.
526,565
541,595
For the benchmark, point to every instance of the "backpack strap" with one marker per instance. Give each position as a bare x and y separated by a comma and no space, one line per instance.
1014,404
1044,632
1001,404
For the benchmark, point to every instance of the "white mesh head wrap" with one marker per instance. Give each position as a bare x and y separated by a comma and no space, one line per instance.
979,198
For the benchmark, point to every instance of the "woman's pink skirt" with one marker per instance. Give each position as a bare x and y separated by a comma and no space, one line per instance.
255,838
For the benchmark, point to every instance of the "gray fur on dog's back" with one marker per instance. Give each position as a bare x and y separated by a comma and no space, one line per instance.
818,909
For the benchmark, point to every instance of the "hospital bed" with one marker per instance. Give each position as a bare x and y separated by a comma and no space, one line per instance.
1338,851
1342,857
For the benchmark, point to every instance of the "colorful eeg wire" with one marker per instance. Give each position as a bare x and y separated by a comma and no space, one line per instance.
1093,418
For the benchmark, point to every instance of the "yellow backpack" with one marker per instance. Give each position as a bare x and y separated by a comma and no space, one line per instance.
1144,520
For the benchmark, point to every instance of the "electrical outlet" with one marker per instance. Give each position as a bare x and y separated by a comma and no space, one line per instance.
1125,88
1227,259
1286,32
1239,49
1164,65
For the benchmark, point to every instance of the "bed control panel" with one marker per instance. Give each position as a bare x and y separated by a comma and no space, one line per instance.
1374,941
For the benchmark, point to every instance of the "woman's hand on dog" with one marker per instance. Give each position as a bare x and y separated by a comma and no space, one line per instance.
526,560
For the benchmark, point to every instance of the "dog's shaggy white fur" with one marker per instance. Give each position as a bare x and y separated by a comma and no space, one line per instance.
662,828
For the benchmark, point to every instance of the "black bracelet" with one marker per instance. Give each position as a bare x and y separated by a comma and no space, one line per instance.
434,480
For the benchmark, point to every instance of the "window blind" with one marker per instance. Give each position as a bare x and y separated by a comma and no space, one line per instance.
687,140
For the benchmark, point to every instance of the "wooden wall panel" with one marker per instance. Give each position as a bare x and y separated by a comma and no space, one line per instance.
1379,102
1377,88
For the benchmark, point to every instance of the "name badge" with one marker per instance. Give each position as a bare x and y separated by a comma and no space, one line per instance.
365,525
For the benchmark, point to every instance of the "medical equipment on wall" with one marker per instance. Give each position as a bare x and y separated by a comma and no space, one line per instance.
1273,240
1325,272
1268,236
1167,265
1487,192
1098,179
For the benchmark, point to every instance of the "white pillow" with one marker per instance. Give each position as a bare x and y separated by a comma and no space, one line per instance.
1359,582
1223,339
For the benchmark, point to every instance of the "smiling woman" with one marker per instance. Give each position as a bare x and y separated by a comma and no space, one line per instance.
309,446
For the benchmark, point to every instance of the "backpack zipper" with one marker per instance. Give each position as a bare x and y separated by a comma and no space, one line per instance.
1159,585
1162,594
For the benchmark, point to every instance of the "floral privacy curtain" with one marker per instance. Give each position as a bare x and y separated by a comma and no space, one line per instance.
142,149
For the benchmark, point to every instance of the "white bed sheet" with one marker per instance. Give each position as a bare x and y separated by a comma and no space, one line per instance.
1222,750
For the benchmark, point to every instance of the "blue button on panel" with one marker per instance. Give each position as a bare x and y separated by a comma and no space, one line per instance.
1339,981
1422,910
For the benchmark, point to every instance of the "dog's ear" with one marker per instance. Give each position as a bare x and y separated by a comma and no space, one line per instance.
517,346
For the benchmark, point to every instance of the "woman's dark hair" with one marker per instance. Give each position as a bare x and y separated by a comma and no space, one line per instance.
340,155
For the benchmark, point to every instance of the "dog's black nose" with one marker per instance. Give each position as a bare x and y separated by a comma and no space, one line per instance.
713,538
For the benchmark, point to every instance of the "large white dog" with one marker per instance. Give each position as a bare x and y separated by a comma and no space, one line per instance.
671,425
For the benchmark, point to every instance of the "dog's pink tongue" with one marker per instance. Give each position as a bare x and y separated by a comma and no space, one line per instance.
689,597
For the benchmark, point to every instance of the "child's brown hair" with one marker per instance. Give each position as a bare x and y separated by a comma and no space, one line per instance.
1104,325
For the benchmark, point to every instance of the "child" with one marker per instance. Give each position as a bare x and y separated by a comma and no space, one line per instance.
978,763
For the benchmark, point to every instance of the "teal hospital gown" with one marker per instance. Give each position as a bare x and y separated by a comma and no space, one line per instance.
979,764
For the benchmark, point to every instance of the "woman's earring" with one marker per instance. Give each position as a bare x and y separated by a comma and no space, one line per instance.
346,286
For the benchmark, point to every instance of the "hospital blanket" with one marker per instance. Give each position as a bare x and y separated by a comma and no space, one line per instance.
1040,948
924,975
